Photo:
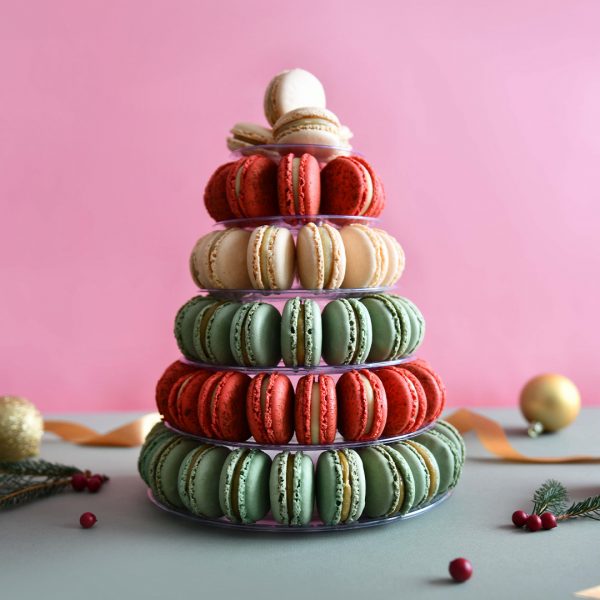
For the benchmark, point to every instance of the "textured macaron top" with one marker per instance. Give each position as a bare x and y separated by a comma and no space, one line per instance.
301,335
292,89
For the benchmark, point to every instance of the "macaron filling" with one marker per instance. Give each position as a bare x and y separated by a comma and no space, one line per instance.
346,487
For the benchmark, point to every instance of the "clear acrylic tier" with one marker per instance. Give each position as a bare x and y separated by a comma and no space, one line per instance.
321,369
296,222
269,525
321,152
257,295
294,446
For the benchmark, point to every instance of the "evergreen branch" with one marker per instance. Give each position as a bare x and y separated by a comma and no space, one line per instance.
551,496
588,508
42,489
36,467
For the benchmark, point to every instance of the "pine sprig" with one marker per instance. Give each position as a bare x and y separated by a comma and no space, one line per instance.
588,508
39,467
27,480
551,496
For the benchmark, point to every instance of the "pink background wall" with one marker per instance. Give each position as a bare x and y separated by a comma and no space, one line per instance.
482,118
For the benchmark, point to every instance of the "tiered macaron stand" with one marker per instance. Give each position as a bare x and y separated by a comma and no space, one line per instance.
275,296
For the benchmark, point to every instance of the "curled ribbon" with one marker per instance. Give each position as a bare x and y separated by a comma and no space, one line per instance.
494,440
129,435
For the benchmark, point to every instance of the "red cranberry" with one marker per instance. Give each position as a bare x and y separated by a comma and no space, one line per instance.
103,478
534,523
460,569
78,482
519,518
94,484
87,520
548,520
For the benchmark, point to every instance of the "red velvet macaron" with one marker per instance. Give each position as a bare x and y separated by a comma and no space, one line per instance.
435,391
316,410
252,187
350,186
215,194
222,406
163,387
299,185
270,408
362,406
183,402
407,403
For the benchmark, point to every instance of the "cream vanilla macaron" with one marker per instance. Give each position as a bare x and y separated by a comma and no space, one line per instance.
271,258
292,89
368,254
320,256
218,260
246,135
308,125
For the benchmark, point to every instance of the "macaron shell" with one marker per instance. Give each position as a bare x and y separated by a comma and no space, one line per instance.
211,338
346,187
385,486
152,444
309,255
446,456
199,475
227,262
386,326
245,135
301,333
431,465
215,196
255,335
299,185
187,402
417,323
308,125
447,429
418,469
222,406
200,259
183,328
378,201
404,394
167,471
362,405
433,386
252,187
280,260
163,387
316,410
245,484
292,89
270,408
172,414
397,259
363,256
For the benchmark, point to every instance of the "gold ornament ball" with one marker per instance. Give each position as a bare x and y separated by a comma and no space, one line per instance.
549,402
21,428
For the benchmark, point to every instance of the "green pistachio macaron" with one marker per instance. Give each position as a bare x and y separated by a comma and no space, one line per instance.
163,473
452,434
419,470
292,489
198,484
391,327
432,468
390,482
211,331
417,322
244,485
154,440
184,324
301,333
255,336
347,333
446,455
340,486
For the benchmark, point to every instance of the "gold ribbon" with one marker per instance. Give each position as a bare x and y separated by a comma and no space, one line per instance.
494,440
129,435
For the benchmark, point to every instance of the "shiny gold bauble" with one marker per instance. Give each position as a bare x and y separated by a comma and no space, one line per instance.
549,403
21,428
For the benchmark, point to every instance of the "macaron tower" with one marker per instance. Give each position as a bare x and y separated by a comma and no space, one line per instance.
298,402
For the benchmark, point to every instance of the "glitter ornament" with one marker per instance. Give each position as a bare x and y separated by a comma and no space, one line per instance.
549,403
21,428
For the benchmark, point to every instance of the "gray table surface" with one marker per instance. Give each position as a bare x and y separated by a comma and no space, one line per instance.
136,551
